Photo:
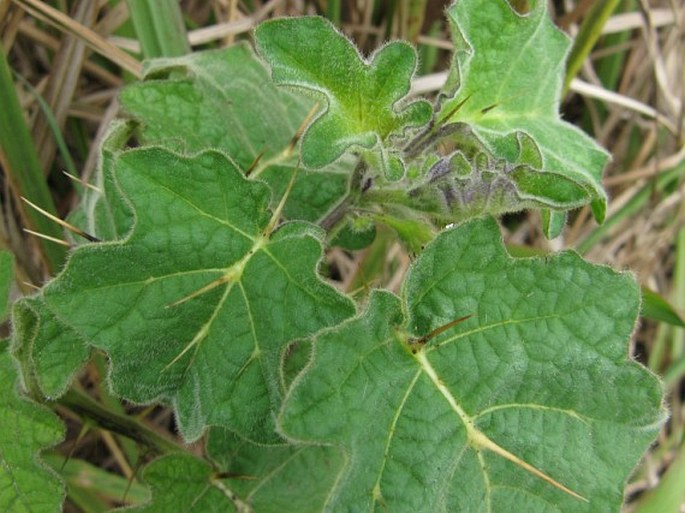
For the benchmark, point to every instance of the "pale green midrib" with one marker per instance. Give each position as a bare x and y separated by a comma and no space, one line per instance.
203,331
377,493
257,351
239,505
486,480
469,425
428,369
477,439
234,273
334,493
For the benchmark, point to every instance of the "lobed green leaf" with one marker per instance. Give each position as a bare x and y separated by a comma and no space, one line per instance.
181,482
26,484
276,478
531,404
49,351
196,303
225,100
365,99
507,79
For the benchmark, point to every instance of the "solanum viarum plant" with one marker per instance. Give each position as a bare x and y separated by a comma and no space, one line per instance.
488,384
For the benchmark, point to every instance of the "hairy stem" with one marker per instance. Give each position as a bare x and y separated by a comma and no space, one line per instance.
84,405
356,189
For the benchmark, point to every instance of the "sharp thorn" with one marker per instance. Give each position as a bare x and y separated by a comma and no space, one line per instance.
254,163
488,109
437,331
281,204
47,237
456,108
61,222
303,126
82,182
211,285
234,475
483,441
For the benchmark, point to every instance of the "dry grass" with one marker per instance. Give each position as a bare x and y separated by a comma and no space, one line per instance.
75,54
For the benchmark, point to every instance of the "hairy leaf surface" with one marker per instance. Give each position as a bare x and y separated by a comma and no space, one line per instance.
49,351
531,404
26,485
365,99
277,478
507,78
102,212
225,100
196,303
184,483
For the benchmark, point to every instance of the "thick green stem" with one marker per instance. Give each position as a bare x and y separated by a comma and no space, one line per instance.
338,213
84,405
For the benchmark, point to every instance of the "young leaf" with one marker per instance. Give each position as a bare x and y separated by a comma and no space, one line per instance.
225,100
365,99
531,404
25,483
183,483
195,305
507,78
471,181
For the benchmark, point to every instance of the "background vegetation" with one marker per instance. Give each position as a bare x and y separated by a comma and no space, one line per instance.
64,61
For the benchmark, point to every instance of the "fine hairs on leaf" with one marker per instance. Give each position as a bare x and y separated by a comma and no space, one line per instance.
201,268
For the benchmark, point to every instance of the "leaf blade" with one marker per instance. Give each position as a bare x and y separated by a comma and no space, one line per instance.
196,303
537,375
225,100
26,484
507,78
365,97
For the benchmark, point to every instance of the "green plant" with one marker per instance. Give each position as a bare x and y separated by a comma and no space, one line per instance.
489,384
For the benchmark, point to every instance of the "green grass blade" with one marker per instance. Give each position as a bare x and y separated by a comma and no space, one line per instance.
428,54
669,494
590,31
6,277
23,169
159,27
416,12
333,11
657,308
53,124
637,202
